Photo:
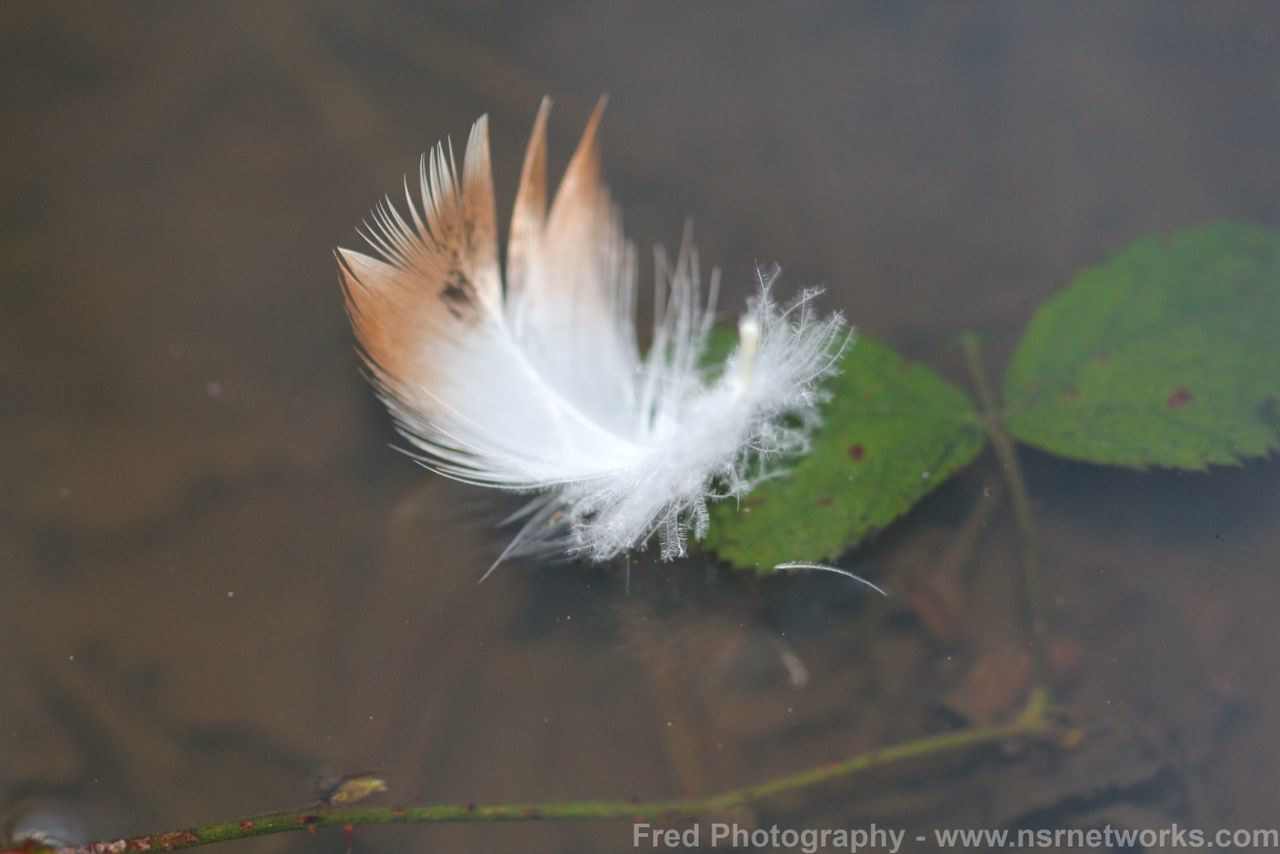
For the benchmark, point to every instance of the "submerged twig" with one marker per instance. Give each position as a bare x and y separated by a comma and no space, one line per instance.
1033,722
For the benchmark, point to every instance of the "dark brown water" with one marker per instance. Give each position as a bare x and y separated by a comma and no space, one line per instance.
218,578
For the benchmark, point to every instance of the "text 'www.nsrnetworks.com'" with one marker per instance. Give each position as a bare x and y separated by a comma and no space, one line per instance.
811,840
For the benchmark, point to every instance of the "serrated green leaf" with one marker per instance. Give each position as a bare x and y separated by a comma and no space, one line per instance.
891,433
1166,354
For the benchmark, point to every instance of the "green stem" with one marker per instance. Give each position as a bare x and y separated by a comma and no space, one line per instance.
1032,722
1007,454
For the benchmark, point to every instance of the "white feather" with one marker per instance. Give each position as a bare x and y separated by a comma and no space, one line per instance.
540,386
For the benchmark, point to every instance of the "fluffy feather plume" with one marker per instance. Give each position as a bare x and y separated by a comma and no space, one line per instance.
540,386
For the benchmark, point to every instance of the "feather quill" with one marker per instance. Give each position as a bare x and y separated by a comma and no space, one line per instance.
539,385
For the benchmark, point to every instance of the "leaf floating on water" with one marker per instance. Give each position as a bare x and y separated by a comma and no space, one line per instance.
1166,354
891,433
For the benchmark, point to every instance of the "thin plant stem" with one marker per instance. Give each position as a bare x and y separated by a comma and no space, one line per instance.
1033,722
1007,455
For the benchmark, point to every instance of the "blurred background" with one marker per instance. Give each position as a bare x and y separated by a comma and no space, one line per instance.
219,578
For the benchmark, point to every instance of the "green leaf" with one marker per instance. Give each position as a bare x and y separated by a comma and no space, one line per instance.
1166,354
891,433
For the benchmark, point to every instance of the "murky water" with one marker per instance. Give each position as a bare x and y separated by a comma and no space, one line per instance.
219,579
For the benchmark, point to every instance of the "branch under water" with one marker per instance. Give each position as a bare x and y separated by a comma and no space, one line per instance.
1032,723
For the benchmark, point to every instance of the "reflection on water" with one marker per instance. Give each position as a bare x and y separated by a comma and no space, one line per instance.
218,579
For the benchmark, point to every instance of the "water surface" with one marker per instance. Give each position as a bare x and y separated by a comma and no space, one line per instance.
219,578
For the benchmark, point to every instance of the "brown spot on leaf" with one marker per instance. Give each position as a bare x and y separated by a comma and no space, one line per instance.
824,501
1179,399
857,452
